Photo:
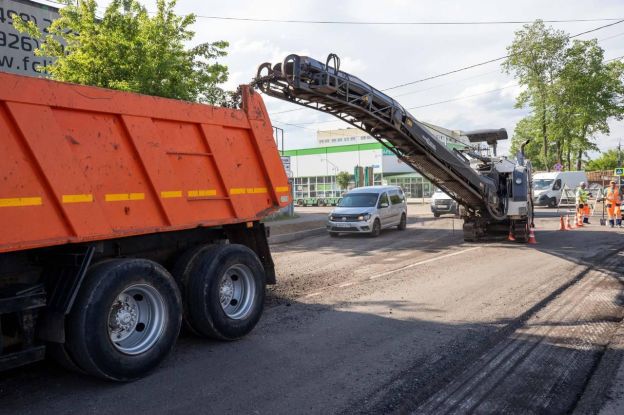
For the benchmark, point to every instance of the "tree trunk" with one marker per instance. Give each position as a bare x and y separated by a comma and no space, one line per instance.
569,158
545,138
579,160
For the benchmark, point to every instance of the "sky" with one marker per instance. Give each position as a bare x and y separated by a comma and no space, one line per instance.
387,55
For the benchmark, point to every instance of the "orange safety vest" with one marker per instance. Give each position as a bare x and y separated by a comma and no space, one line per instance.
613,196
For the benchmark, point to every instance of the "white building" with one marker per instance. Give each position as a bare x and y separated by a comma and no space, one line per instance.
314,169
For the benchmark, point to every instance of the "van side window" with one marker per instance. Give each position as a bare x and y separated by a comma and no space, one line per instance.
383,199
557,185
401,195
395,198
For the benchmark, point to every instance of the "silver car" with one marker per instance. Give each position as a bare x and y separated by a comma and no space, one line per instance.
369,210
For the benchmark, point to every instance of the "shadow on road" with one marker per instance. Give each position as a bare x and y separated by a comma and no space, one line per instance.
313,358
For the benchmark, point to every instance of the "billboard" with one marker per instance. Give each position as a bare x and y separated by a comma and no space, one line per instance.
17,49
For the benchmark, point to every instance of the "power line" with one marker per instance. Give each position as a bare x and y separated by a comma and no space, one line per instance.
301,125
399,23
489,61
465,68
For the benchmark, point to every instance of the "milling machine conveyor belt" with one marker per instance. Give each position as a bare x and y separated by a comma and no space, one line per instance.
324,87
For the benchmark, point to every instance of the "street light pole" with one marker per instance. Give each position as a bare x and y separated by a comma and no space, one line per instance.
279,131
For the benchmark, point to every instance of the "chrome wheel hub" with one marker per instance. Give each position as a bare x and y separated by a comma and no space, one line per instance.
136,319
237,291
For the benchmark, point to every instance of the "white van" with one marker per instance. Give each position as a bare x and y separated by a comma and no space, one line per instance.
547,187
441,203
369,210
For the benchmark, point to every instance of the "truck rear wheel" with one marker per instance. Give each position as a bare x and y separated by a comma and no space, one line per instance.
223,288
126,319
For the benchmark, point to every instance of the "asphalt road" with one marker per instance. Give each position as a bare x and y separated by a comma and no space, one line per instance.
410,322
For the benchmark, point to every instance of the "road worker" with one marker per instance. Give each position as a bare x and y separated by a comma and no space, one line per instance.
613,203
582,205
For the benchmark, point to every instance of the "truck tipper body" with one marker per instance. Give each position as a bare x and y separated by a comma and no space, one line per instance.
122,215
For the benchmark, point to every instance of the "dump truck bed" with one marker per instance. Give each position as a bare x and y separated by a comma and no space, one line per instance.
82,164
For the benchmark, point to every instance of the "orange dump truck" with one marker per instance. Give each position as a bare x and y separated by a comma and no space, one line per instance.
122,216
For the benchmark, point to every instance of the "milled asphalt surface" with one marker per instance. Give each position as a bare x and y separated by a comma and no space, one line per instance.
410,322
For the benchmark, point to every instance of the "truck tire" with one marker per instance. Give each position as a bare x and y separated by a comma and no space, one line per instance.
181,271
59,353
402,223
224,291
126,319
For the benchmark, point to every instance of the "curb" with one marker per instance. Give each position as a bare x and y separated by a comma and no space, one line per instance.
288,237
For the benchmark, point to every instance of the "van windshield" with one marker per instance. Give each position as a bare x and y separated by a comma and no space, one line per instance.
542,184
359,200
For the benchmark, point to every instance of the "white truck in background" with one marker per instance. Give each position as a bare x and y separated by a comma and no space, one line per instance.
547,187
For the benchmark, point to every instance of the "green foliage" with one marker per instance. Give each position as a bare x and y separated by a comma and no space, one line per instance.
607,161
527,129
571,92
130,50
535,59
342,179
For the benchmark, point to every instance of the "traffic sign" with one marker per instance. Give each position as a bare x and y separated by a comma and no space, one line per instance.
619,171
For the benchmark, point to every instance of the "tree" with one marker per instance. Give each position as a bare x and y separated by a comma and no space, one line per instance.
535,57
130,50
571,91
607,161
590,92
343,179
528,128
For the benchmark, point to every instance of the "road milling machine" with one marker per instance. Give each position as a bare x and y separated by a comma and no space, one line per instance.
495,193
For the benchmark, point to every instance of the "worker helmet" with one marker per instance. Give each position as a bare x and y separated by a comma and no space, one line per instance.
582,184
612,182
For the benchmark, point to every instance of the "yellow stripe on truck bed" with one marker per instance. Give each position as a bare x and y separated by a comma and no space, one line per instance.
119,197
21,201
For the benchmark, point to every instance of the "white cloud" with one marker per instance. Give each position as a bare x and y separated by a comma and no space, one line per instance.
389,55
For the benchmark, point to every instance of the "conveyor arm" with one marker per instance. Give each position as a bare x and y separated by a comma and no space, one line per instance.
322,86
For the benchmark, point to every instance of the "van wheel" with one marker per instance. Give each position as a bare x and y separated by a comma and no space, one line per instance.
402,223
376,228
436,215
333,234
223,288
126,320
552,202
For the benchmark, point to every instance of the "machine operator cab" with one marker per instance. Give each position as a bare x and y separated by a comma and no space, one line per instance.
369,210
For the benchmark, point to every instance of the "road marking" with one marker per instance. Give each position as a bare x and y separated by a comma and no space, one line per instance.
313,295
426,261
119,197
346,284
84,198
21,201
171,194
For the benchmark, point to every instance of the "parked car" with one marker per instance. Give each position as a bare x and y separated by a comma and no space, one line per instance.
441,204
369,210
547,187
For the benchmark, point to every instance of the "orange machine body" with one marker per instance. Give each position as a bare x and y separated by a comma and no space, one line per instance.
84,164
